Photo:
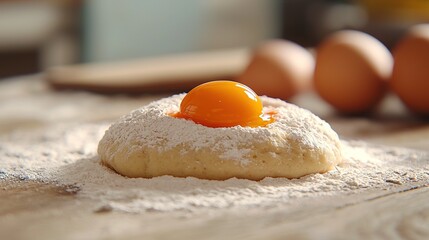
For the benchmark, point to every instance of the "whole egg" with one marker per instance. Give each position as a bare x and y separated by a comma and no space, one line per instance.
352,71
279,69
410,77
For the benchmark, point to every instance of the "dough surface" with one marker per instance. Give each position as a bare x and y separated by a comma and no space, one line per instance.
148,142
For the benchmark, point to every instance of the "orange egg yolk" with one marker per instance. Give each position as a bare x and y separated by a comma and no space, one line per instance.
223,104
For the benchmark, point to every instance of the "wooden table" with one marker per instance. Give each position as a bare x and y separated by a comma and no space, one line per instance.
31,210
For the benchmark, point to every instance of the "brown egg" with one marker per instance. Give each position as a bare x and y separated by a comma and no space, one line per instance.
279,69
352,71
410,77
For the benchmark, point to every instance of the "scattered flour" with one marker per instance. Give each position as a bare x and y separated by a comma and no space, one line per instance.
66,156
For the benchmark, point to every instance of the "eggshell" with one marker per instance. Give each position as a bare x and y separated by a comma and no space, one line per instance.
410,77
279,69
352,71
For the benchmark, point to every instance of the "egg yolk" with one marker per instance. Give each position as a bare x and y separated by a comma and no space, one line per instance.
223,104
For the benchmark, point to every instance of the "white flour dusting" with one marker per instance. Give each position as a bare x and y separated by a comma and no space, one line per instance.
66,156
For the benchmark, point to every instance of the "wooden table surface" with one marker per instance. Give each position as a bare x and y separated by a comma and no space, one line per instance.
31,210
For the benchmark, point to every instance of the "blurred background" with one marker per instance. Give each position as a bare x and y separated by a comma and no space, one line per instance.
38,34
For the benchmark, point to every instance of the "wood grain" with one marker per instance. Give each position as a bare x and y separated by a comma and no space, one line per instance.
385,214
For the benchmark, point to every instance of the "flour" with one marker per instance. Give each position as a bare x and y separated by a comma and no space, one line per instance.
66,156
152,127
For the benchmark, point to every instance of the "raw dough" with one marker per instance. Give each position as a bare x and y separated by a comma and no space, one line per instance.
148,142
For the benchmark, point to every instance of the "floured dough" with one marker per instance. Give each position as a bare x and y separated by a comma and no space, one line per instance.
148,142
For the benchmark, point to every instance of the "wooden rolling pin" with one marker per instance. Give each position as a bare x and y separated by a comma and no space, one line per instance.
163,74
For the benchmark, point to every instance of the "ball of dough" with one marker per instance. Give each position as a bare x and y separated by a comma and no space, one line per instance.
149,142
